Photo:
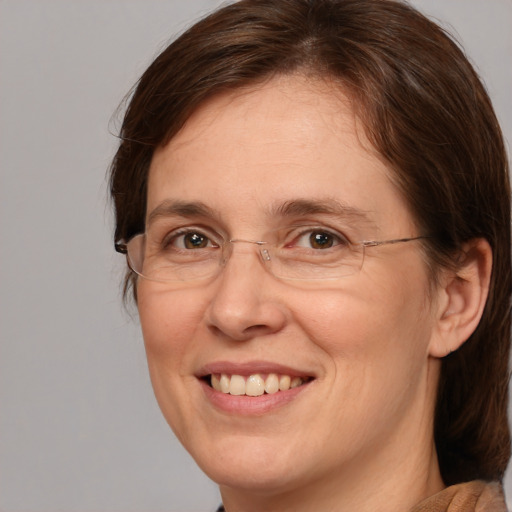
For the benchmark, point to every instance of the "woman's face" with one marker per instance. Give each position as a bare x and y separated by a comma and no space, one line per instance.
289,153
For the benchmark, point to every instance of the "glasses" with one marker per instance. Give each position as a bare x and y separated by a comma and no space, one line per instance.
296,253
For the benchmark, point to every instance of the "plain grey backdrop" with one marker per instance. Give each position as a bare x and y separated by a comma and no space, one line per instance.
80,430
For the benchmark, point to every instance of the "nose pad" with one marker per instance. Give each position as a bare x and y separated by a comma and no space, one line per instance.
265,255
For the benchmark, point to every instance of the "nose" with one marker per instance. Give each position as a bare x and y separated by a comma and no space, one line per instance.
244,303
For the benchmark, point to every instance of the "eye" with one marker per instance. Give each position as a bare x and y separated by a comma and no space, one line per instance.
188,240
319,239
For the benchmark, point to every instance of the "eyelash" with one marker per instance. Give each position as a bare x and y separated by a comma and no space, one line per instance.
338,239
171,239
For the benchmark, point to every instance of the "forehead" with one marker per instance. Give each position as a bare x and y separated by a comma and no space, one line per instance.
292,138
286,111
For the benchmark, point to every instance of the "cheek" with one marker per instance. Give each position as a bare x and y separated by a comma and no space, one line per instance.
169,321
375,343
377,324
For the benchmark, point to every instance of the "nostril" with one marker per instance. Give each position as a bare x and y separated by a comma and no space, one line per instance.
253,331
255,328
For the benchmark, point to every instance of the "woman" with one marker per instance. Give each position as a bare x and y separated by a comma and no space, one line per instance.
314,200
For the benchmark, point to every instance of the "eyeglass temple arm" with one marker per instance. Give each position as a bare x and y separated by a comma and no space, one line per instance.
122,248
374,243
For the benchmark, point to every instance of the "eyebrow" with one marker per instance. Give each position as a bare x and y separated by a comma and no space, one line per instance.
288,209
176,208
330,207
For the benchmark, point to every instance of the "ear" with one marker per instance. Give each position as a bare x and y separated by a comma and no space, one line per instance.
461,298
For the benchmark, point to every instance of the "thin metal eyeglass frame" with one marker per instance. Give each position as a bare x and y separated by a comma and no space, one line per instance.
122,248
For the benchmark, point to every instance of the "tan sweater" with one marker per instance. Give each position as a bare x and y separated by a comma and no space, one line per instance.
474,496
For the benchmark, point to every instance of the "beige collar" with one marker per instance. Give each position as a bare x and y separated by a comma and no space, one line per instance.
476,496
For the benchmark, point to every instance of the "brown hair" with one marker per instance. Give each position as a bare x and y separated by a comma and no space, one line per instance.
426,113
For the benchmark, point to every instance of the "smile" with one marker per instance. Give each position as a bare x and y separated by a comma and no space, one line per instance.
254,385
252,388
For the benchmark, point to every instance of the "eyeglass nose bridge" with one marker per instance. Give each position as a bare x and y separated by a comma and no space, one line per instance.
264,253
242,240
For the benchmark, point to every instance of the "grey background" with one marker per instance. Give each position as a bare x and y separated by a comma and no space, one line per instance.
79,428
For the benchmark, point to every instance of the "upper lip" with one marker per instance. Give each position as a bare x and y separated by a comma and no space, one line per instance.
250,368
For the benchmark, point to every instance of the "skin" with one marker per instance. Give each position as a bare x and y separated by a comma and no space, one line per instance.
359,436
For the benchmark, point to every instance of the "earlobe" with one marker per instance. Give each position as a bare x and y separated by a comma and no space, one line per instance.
461,298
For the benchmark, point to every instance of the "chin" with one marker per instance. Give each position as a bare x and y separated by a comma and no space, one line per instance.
245,462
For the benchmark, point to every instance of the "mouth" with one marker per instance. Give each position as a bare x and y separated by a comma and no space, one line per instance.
252,388
254,385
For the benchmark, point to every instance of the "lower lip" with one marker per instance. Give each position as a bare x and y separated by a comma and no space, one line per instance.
251,405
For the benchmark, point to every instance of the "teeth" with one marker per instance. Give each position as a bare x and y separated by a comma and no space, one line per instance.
284,382
272,384
216,383
254,385
237,385
224,383
296,382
